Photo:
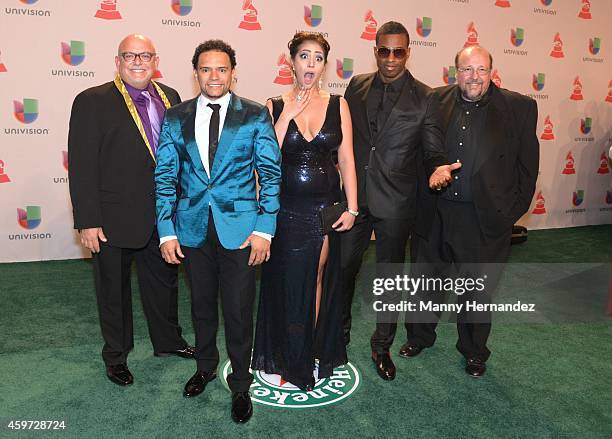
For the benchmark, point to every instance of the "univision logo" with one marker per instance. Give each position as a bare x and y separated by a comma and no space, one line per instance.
586,125
594,45
74,53
26,111
423,26
28,2
30,217
449,75
517,36
538,81
272,390
181,7
25,11
344,68
578,197
546,2
313,15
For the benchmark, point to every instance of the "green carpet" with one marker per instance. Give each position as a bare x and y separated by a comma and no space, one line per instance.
543,380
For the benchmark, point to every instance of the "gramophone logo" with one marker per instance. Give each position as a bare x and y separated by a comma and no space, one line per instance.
569,165
495,78
577,91
472,36
108,10
157,74
539,207
30,217
503,3
344,68
181,7
609,97
73,54
313,15
585,125
284,75
249,20
538,81
449,75
3,177
594,45
369,33
585,11
603,164
65,159
2,66
517,36
578,197
557,50
26,111
548,133
423,26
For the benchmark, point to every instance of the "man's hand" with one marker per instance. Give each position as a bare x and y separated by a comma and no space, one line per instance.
91,238
441,176
170,250
260,249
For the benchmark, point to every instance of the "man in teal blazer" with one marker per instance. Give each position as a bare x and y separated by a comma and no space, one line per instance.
208,213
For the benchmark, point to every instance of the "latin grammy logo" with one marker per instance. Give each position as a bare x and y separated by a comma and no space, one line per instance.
577,93
557,51
369,33
548,130
284,76
472,36
108,10
569,164
249,20
539,208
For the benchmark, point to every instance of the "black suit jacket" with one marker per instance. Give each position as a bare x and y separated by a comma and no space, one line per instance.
506,167
410,143
111,171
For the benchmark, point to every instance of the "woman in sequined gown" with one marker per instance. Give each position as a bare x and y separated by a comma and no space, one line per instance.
299,322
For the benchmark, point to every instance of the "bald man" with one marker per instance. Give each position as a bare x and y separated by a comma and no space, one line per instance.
112,145
464,230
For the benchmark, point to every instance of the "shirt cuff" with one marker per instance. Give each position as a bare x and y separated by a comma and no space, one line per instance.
166,239
265,236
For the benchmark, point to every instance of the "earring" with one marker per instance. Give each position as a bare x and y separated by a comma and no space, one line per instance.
320,83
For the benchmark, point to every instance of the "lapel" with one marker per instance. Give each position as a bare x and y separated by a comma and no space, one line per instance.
404,96
447,106
495,129
366,86
188,130
233,120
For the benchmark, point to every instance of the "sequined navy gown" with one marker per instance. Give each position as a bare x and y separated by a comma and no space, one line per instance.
287,340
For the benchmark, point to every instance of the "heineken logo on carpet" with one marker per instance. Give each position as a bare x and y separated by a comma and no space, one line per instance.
274,391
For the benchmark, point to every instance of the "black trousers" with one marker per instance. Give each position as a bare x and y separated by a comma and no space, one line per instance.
391,239
158,284
213,269
456,248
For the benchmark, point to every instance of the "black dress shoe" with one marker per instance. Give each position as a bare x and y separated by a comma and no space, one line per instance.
410,350
242,407
475,367
384,365
186,352
197,383
119,374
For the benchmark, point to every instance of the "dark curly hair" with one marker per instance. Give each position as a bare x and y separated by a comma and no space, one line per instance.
301,37
216,46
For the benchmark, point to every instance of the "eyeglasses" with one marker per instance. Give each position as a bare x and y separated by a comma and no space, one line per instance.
385,52
469,71
131,56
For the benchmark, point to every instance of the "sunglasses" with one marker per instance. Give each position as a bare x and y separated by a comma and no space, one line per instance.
385,52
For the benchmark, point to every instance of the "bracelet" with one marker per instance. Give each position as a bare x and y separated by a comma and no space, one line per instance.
352,212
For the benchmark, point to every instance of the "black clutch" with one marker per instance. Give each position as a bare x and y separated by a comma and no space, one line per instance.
329,215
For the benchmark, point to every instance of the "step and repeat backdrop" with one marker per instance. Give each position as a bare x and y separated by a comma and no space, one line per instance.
556,51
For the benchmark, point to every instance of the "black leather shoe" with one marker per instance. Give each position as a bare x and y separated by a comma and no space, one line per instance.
384,365
475,367
119,374
242,407
410,350
197,383
186,352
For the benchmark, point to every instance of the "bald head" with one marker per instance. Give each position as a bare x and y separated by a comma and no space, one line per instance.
473,72
133,69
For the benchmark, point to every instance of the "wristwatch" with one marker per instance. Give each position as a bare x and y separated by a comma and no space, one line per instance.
355,213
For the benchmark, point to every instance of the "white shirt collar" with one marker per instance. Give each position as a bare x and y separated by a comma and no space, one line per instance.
224,101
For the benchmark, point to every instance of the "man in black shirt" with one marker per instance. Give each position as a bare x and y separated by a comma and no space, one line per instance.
396,140
465,229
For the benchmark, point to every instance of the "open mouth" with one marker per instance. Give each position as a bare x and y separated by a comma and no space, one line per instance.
308,78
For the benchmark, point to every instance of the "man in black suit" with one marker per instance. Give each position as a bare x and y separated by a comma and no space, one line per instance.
396,136
464,231
114,129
